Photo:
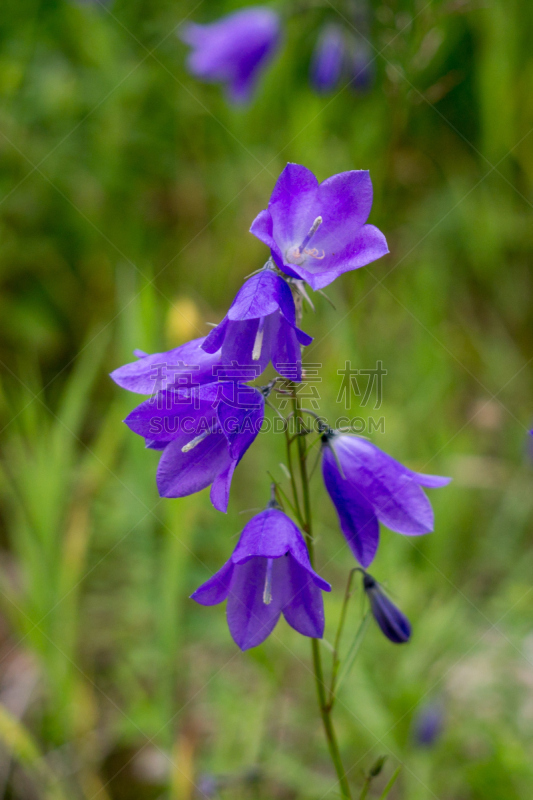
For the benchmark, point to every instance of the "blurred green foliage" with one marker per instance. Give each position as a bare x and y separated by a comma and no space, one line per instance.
126,193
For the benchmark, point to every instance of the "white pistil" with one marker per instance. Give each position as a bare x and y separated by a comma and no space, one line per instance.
314,227
258,343
195,441
267,591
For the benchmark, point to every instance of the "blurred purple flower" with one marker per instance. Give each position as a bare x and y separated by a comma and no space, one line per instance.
269,574
362,66
203,432
234,50
367,487
317,231
261,327
152,373
428,724
328,57
393,623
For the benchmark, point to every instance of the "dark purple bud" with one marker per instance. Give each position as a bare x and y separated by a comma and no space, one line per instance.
394,625
428,724
326,66
362,67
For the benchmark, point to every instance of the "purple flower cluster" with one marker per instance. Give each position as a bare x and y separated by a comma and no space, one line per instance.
203,415
236,49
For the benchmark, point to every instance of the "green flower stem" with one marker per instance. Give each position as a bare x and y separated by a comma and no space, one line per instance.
324,705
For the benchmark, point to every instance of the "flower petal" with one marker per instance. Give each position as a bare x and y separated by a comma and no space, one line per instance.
219,494
180,474
303,606
216,589
250,620
258,297
357,518
293,206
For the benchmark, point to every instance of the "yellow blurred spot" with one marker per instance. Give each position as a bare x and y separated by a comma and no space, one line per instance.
184,321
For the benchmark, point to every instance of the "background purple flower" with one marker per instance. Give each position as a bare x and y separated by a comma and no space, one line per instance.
393,623
428,724
260,327
362,67
317,231
328,57
368,487
269,574
203,432
234,50
158,371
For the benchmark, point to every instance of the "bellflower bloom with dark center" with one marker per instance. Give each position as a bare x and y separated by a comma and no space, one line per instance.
328,58
317,231
234,50
269,574
394,625
158,371
261,327
368,487
203,433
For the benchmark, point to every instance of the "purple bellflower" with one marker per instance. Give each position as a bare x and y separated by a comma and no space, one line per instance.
261,327
328,58
234,50
188,363
393,623
269,574
203,433
318,231
368,487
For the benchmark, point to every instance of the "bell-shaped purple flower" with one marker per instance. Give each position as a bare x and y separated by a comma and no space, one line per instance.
368,487
393,623
203,433
318,231
234,50
260,327
328,58
188,364
269,574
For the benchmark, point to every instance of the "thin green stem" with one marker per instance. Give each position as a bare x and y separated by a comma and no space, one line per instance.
336,644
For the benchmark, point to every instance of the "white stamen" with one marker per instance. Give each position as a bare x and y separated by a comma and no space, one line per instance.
194,442
258,343
267,592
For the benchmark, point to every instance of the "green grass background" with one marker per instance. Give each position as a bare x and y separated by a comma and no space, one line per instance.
126,194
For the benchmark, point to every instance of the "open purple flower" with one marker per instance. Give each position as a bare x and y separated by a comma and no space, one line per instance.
317,231
203,433
327,62
393,623
269,574
188,364
261,327
368,487
234,50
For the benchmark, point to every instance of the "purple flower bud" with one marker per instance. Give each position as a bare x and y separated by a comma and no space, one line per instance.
326,66
428,724
394,625
233,50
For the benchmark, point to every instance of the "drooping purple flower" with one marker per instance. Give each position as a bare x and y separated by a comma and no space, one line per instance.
269,574
393,623
368,487
234,50
188,364
261,327
328,57
203,433
318,231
